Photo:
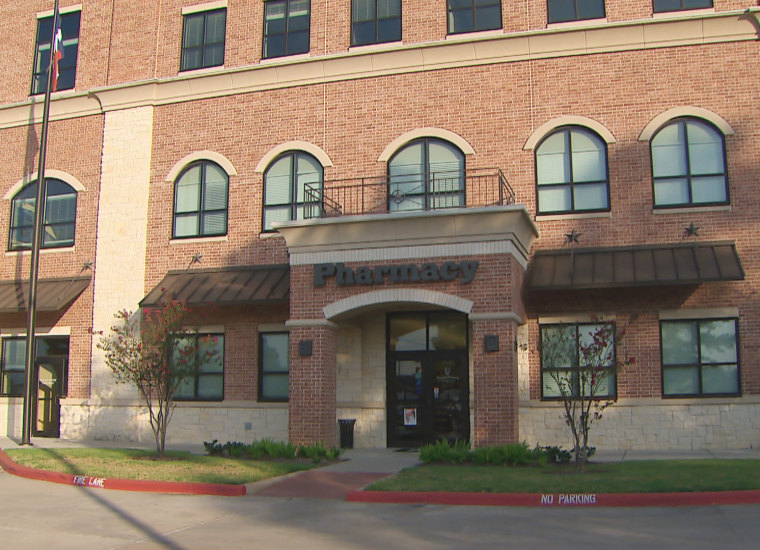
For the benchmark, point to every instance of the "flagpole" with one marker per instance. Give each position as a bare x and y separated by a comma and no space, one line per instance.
39,215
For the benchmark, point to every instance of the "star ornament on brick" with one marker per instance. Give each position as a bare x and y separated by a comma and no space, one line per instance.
573,236
692,230
196,259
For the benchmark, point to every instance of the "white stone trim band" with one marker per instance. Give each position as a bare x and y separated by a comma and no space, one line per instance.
308,323
705,313
411,253
497,316
208,6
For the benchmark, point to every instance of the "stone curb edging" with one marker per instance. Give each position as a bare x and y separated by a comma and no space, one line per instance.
558,499
175,487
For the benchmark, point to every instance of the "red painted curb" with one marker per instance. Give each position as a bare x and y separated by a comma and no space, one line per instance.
558,499
175,487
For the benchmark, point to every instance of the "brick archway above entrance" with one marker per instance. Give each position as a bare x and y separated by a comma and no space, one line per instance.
397,295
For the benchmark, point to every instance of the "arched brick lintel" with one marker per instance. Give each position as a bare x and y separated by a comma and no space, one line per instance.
397,295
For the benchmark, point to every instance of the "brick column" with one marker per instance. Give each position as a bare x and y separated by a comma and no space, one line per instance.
313,384
494,398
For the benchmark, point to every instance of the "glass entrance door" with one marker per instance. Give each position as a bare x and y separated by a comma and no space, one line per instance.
407,407
47,403
427,378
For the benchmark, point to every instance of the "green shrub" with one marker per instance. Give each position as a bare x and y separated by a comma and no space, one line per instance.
278,449
513,454
443,451
270,449
255,450
235,449
317,452
213,448
557,454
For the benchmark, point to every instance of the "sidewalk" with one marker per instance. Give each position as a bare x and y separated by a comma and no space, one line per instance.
344,480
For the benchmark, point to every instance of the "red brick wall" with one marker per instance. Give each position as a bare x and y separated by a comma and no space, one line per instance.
490,290
242,325
313,387
495,108
74,147
494,396
129,40
354,121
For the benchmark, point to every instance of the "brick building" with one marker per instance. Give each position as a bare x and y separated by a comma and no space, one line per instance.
385,209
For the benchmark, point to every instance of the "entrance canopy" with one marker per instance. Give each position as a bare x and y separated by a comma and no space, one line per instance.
229,286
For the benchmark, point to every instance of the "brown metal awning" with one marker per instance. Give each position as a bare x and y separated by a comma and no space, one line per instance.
669,264
52,294
228,286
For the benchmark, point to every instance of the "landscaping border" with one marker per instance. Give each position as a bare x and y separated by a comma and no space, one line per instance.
175,487
558,499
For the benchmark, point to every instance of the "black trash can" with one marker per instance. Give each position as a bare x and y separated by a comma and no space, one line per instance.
346,432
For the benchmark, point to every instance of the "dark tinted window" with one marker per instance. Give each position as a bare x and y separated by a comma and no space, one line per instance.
574,10
67,67
203,39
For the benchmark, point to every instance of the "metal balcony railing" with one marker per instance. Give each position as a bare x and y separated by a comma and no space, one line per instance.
407,192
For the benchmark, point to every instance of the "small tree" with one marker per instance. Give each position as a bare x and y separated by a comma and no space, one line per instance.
581,363
144,350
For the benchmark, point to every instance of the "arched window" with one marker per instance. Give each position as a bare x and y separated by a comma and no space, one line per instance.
426,174
60,216
689,164
285,186
571,172
200,201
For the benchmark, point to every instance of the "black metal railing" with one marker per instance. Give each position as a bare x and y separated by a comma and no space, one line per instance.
407,192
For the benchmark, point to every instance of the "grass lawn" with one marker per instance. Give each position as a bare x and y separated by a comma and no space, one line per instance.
619,477
139,464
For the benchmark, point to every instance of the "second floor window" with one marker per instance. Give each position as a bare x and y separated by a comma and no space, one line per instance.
200,201
660,6
60,216
67,67
288,183
574,10
689,164
426,174
474,15
286,27
375,21
203,39
571,172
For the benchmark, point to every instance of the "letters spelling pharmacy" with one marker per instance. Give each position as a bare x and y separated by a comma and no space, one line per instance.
427,272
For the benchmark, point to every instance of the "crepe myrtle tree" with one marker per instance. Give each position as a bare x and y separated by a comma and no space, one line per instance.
579,363
149,349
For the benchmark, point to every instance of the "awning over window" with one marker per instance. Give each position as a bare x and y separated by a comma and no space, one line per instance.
670,264
230,286
52,294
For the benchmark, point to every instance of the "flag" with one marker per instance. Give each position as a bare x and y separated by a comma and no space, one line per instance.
57,48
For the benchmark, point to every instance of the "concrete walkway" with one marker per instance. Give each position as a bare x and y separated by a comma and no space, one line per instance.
359,468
